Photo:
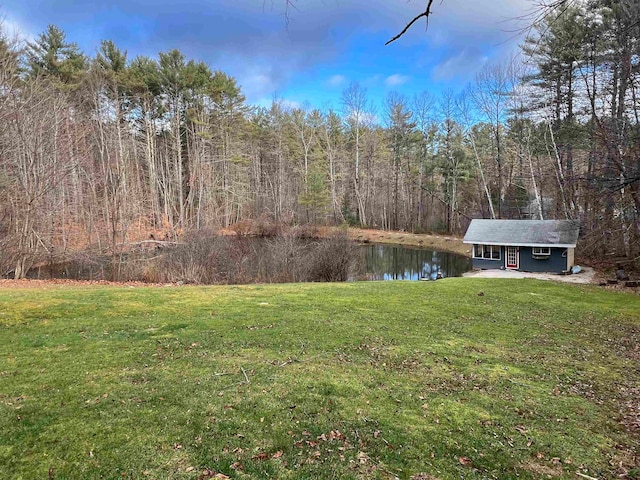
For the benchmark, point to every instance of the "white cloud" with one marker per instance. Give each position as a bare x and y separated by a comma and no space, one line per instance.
14,29
396,80
337,80
285,103
464,64
290,104
257,84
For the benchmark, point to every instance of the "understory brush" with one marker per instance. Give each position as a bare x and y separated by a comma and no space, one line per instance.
213,259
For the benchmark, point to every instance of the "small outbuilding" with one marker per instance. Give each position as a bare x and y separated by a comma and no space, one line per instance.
527,245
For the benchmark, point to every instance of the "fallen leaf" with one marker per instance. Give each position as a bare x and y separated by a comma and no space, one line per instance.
260,456
376,434
278,454
212,474
521,429
465,461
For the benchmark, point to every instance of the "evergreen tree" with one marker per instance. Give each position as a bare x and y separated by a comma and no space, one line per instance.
52,56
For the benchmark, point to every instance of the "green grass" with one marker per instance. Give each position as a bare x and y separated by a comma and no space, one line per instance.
307,381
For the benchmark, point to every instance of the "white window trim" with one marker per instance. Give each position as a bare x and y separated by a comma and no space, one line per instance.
484,248
541,251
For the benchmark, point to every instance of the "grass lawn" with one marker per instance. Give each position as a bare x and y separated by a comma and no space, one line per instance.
360,380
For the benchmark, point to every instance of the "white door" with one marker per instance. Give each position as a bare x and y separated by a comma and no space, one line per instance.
513,257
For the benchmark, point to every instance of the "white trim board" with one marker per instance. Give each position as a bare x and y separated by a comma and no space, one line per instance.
511,244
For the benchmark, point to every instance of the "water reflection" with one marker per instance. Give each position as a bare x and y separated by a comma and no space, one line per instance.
370,262
393,262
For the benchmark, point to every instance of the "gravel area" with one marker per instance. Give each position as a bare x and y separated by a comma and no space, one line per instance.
586,276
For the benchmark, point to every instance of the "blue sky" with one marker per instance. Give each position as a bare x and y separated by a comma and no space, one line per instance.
324,45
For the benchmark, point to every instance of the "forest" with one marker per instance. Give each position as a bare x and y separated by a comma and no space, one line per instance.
98,152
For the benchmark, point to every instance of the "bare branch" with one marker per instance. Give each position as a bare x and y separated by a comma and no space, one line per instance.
424,14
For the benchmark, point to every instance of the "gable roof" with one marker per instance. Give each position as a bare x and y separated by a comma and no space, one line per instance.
523,233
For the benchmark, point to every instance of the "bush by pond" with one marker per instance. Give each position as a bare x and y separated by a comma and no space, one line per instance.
208,258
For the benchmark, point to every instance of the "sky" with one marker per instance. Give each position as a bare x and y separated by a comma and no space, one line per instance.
308,57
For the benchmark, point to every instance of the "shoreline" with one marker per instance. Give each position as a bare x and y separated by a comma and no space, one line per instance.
441,243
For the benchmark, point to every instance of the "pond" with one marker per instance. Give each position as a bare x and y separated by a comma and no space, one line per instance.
395,262
260,260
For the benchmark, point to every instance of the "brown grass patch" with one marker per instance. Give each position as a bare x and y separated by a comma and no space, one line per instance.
542,470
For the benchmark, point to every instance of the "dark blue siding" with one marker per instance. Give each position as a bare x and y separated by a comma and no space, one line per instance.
556,262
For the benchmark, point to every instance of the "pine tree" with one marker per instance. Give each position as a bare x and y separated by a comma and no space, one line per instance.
52,56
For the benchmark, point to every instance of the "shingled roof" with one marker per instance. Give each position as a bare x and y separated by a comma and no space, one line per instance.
523,233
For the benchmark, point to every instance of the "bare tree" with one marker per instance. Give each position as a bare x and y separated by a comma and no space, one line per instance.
354,101
492,94
36,138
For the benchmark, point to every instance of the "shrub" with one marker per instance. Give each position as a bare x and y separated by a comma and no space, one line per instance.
266,226
242,228
304,231
203,257
332,259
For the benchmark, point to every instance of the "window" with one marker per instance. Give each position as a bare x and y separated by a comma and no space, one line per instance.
489,252
541,251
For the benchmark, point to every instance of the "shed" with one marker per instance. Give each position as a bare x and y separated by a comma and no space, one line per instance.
527,245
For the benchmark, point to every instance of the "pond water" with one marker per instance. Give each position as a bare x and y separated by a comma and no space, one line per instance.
394,262
369,262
